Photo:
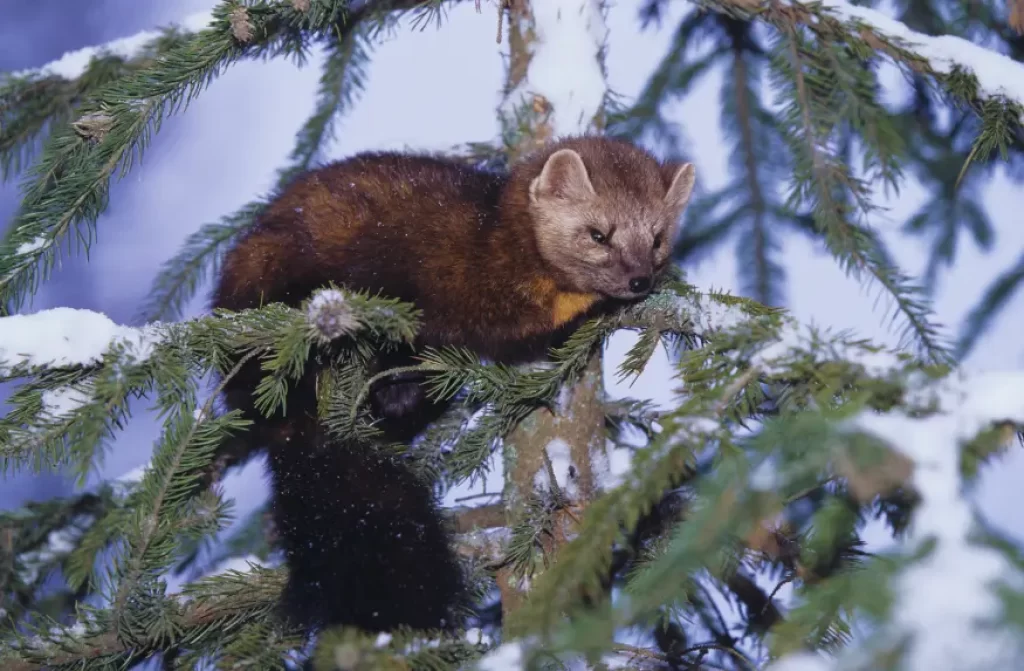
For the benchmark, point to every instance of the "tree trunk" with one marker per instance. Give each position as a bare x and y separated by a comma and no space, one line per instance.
552,91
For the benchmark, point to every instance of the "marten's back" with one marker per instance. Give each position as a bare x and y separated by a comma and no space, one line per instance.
416,228
375,221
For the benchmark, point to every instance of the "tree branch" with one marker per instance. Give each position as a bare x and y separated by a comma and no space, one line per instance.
762,272
539,105
247,597
73,64
479,517
995,76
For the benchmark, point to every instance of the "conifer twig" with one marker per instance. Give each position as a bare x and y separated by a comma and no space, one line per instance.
764,270
820,177
944,56
249,595
153,515
73,64
71,179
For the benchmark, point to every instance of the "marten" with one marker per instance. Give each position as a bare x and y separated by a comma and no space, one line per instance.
502,263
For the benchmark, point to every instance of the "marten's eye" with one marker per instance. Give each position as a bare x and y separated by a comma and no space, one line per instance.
657,241
598,236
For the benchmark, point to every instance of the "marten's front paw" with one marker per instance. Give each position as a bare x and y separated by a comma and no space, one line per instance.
403,409
397,400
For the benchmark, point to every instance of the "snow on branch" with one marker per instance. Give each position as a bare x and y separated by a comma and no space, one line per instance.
565,35
68,337
940,619
951,594
123,113
569,31
997,75
73,64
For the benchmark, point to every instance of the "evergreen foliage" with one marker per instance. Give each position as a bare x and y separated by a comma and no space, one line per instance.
779,450
941,129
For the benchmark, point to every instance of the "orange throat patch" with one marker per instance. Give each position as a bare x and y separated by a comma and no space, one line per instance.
564,305
568,306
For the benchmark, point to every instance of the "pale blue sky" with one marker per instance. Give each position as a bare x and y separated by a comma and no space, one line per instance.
437,88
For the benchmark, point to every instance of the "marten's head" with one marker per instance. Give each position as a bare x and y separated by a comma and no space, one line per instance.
605,214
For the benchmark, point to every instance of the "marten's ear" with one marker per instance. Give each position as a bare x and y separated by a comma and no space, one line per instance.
563,176
680,188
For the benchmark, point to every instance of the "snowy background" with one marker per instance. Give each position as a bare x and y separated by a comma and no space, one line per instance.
430,89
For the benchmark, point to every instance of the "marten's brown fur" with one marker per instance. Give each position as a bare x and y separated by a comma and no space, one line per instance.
493,261
498,263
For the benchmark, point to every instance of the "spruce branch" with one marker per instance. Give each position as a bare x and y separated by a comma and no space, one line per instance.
38,539
347,43
469,456
504,395
953,207
206,612
71,179
143,45
635,361
416,651
33,100
746,349
164,517
638,413
766,271
852,38
821,177
181,276
715,396
192,436
643,119
983,80
951,62
341,83
989,305
125,362
582,563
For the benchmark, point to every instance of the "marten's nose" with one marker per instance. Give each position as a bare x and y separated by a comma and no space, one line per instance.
640,285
